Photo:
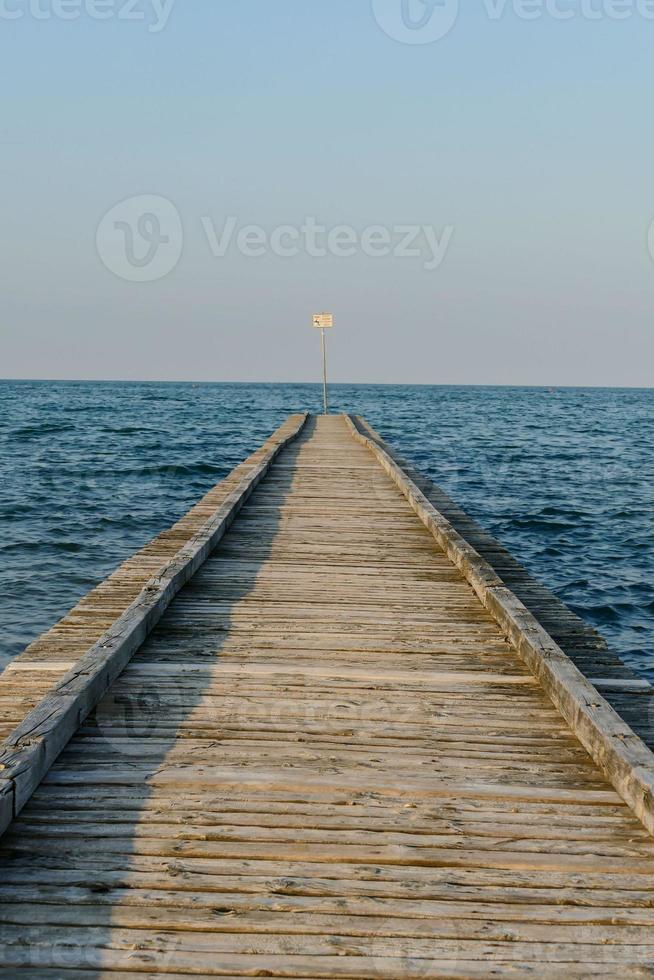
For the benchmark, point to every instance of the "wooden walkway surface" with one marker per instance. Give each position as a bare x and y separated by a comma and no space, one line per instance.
326,761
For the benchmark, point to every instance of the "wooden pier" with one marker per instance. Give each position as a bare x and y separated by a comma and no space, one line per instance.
319,730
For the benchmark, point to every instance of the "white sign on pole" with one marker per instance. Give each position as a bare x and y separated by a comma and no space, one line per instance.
323,321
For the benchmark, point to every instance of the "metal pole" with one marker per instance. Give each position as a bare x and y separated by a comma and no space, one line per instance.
324,373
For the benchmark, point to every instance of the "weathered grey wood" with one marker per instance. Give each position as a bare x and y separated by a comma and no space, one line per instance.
387,968
30,750
6,802
620,753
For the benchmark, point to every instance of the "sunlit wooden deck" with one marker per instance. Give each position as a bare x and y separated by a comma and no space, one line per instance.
326,760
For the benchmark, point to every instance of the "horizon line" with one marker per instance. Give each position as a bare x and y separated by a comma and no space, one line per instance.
332,384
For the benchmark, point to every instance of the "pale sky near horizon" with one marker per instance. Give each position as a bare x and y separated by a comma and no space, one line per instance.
524,147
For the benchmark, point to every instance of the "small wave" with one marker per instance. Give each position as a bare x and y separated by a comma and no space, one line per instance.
163,398
173,470
536,524
127,430
42,429
90,409
42,546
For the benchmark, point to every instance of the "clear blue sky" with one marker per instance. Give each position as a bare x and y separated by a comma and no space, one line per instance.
532,140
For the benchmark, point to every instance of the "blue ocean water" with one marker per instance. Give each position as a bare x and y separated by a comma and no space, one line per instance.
564,478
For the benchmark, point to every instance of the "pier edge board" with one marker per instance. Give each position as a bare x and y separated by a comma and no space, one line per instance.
621,755
30,750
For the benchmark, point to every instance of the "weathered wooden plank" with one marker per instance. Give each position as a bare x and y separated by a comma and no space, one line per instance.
39,897
200,949
103,872
395,968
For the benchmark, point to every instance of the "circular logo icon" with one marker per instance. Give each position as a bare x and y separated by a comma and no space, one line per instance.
411,958
416,21
650,239
127,720
141,239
